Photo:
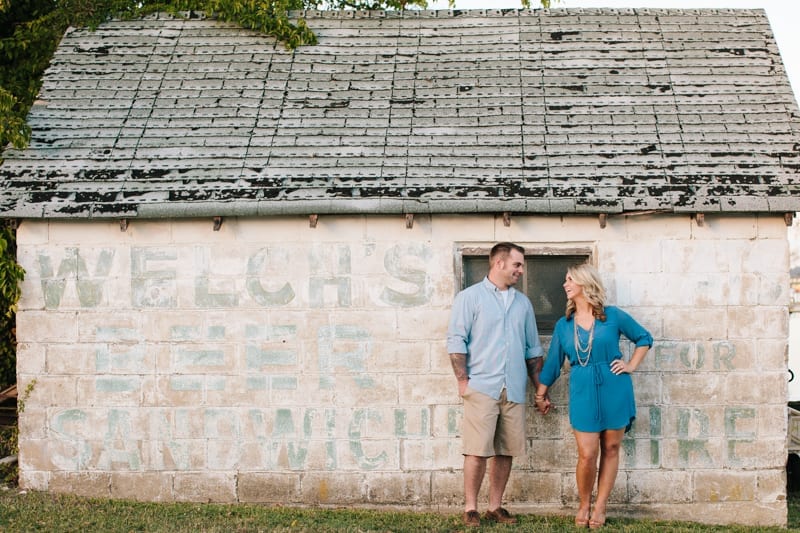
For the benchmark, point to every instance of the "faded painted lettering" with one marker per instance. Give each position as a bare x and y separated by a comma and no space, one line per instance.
73,268
408,263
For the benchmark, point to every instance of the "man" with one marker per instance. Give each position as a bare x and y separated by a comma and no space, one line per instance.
493,344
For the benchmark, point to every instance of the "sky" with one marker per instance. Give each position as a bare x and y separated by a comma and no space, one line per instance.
783,16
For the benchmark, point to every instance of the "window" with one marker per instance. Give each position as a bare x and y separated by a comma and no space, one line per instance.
542,281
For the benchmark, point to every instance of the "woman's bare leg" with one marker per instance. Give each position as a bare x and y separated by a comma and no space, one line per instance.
586,470
610,442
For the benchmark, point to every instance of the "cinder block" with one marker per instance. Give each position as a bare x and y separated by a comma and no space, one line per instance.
425,390
112,390
771,486
724,486
701,323
142,486
269,487
534,487
640,454
772,227
757,322
769,421
695,257
55,391
34,480
399,357
319,488
31,358
766,256
423,325
34,232
693,452
425,454
364,389
205,487
706,389
625,258
647,386
34,454
47,326
86,484
772,290
403,488
655,486
755,454
169,452
753,388
362,454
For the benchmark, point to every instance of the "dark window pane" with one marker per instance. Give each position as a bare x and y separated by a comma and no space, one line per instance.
475,269
545,280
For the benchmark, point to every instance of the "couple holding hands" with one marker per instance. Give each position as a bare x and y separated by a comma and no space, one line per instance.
494,349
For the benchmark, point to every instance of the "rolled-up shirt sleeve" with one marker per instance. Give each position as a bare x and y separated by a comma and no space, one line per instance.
533,346
458,330
634,331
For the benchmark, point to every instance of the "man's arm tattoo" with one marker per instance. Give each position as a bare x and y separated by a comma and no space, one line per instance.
459,362
534,367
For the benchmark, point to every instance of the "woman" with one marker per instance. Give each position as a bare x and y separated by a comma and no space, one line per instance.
601,403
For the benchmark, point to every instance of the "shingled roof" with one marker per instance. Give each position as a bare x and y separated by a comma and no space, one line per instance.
522,111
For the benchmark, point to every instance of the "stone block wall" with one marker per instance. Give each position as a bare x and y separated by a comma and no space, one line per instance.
274,362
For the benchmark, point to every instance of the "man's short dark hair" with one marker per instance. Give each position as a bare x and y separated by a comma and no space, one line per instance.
504,248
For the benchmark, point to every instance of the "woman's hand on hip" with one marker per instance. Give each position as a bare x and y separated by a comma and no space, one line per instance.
619,366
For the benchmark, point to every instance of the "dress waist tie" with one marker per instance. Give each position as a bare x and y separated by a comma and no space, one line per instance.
597,380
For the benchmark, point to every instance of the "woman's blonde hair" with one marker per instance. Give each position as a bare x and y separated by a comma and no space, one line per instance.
589,280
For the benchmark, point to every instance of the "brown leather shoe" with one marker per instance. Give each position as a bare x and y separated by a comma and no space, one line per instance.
500,515
472,519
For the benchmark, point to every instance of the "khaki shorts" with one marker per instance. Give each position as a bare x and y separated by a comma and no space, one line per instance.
492,427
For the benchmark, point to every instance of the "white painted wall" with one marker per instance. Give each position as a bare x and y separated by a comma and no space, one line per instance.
274,362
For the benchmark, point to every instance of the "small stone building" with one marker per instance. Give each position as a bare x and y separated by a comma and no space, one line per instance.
241,259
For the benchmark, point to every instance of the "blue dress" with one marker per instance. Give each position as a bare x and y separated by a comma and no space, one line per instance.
598,398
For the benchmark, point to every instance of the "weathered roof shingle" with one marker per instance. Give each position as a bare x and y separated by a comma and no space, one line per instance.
543,111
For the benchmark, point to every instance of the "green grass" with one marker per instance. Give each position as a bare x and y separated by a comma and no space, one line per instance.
37,511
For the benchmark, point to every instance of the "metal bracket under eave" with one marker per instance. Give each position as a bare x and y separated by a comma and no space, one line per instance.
506,219
409,220
700,218
788,217
123,224
312,221
217,223
603,218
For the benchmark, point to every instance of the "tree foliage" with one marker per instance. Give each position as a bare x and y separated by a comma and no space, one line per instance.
11,273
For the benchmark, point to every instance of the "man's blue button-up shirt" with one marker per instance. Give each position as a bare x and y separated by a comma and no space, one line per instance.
496,338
